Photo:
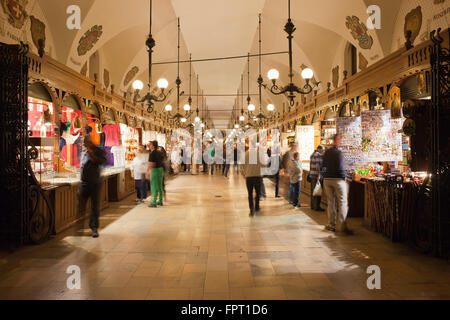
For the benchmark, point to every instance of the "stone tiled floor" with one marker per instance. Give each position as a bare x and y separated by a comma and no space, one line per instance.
203,245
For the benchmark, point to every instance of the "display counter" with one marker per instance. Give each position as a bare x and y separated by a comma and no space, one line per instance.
120,185
62,190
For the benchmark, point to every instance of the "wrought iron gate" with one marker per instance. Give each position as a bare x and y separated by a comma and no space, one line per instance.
440,146
21,218
14,216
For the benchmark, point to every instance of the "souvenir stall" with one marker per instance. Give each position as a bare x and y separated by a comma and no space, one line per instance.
392,192
70,138
161,138
328,128
121,183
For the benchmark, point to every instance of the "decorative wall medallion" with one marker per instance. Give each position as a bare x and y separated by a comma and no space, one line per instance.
130,75
362,62
37,31
359,32
89,39
336,76
106,78
413,23
15,10
84,69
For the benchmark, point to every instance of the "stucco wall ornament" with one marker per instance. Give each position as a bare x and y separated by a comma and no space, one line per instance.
362,62
413,23
38,33
16,12
130,75
335,73
89,39
84,69
359,32
106,80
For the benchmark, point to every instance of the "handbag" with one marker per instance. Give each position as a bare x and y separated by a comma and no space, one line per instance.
317,190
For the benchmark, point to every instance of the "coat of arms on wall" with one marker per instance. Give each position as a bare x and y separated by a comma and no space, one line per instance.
89,39
363,63
15,9
359,32
84,69
38,33
413,23
130,75
106,78
335,76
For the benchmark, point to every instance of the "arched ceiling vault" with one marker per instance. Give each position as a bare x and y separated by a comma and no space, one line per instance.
217,28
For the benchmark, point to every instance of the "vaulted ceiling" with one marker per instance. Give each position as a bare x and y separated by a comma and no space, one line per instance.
216,28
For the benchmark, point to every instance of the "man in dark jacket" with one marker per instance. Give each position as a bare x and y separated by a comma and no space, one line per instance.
91,162
336,188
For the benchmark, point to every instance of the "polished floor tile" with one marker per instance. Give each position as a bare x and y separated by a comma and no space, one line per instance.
203,245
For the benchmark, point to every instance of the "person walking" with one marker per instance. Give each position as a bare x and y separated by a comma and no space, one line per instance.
139,168
286,160
295,178
277,174
253,178
92,159
316,175
212,152
336,188
236,162
166,166
156,173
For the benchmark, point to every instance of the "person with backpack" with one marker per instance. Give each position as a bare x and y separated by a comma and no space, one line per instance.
92,160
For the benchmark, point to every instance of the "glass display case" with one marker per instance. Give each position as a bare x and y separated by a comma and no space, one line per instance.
41,125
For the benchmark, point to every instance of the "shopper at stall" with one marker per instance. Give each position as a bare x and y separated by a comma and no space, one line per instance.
295,178
252,174
156,173
92,160
336,188
316,175
139,167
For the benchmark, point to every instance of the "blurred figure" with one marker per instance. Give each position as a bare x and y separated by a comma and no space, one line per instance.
92,159
316,175
166,166
139,167
253,178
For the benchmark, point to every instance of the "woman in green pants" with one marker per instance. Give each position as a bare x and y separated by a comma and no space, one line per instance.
156,173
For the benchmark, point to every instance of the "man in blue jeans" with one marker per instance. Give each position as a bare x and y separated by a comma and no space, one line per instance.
336,188
295,179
